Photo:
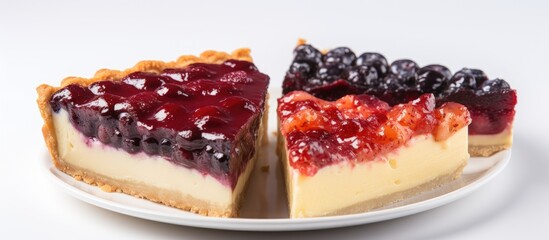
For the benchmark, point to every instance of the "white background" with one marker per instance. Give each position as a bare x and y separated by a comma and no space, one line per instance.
44,41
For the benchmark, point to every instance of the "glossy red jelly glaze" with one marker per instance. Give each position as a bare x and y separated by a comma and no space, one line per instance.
201,116
358,128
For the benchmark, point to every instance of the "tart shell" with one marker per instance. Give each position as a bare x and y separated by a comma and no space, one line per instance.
45,93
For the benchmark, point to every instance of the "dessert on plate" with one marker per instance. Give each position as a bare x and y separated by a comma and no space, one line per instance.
184,133
358,153
338,72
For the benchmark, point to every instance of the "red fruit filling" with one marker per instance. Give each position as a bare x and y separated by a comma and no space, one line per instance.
359,127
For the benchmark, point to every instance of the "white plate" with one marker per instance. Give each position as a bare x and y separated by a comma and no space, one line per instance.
265,205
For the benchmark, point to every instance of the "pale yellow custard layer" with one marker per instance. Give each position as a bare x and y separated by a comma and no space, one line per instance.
333,188
504,138
140,168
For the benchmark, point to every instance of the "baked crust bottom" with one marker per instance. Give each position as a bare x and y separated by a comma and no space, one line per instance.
141,190
372,204
486,151
169,197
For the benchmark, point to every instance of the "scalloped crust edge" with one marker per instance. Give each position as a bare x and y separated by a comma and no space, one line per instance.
45,91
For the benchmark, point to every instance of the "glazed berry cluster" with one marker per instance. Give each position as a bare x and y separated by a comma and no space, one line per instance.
359,127
203,116
340,72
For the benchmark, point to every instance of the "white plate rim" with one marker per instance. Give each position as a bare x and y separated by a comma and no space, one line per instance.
278,224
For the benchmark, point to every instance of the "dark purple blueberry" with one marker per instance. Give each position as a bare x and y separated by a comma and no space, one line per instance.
392,82
84,121
116,138
314,82
466,78
444,71
362,76
378,61
494,85
307,53
222,161
330,73
150,145
126,124
165,147
340,55
132,145
302,69
183,156
433,78
104,133
405,70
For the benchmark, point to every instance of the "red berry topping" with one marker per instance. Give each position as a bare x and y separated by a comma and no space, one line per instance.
178,113
338,73
359,127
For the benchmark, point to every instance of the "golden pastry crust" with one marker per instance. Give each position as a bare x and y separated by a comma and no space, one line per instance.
301,41
486,151
46,91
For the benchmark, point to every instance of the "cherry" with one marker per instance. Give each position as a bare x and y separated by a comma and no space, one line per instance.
172,91
194,72
236,77
71,94
238,103
168,115
143,102
144,80
240,65
210,117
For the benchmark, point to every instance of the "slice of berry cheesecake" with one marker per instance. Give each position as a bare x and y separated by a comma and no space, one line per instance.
338,72
357,153
185,133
